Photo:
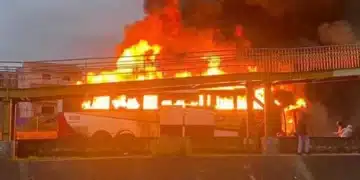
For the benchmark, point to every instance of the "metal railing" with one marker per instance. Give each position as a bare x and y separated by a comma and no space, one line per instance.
89,147
281,60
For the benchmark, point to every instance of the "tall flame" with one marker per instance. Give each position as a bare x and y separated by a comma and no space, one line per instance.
138,62
213,66
135,63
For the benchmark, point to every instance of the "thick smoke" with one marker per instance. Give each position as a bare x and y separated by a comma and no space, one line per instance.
286,7
164,25
320,122
266,23
274,7
334,24
313,23
345,109
338,32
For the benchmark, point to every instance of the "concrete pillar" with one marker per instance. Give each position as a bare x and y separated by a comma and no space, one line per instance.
250,97
267,109
250,107
8,120
60,105
269,141
7,145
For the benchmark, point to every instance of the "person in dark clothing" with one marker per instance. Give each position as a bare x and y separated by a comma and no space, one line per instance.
302,132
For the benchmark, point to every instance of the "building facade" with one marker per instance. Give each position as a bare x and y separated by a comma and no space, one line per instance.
8,79
40,74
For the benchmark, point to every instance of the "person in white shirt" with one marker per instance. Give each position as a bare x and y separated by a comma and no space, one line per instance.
347,132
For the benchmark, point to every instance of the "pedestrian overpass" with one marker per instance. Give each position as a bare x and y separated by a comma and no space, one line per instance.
272,66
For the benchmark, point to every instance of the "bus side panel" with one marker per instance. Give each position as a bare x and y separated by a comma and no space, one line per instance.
199,131
225,133
97,123
171,130
194,116
171,116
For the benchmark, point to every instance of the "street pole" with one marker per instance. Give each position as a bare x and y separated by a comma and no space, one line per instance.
250,107
269,142
8,137
267,109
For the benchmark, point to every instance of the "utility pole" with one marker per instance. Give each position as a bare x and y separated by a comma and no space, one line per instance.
7,145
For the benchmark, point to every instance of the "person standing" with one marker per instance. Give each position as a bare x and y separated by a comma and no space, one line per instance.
302,132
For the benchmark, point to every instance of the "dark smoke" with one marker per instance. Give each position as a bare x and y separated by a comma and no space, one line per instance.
286,23
292,23
272,23
338,32
341,100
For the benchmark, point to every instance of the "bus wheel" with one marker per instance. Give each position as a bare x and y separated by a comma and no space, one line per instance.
124,141
100,141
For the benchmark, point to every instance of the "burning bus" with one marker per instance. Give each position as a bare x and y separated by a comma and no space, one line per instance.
218,111
171,50
197,113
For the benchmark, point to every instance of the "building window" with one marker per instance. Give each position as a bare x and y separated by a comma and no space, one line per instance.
12,80
46,76
12,76
66,78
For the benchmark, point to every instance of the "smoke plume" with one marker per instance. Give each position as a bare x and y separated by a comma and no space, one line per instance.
164,24
338,32
321,126
274,7
266,23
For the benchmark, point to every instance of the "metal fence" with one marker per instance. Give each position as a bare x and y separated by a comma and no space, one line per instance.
282,60
90,147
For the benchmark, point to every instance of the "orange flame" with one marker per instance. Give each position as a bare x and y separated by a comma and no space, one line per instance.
98,102
138,63
151,102
213,66
300,103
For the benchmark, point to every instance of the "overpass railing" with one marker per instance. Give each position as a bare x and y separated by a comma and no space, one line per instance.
306,59
266,60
